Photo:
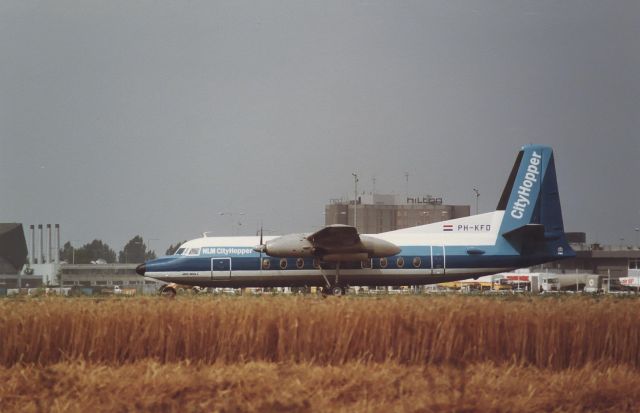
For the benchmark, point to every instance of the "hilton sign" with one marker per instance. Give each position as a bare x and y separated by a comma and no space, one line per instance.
425,200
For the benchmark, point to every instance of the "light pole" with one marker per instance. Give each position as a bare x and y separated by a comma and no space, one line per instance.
637,239
406,184
73,250
73,260
355,200
477,198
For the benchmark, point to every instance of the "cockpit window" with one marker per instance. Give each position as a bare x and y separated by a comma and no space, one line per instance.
180,251
194,251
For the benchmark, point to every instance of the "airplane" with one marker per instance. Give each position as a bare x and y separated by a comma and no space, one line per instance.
526,229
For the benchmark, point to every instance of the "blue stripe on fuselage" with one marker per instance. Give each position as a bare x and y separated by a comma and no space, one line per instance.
456,257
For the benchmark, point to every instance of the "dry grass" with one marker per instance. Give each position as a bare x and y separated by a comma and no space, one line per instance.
265,387
452,330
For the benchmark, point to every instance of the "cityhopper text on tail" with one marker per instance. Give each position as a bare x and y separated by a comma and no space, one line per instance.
525,229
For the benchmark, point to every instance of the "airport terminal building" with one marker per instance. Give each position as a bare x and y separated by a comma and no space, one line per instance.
606,260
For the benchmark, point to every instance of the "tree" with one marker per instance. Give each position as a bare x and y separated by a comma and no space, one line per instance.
92,251
135,251
66,253
172,250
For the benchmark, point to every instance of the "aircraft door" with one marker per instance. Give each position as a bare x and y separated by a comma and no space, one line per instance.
220,268
438,260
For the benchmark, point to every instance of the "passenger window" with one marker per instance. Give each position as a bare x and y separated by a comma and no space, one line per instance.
416,262
400,262
299,263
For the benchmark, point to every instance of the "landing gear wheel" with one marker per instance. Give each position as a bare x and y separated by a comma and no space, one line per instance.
337,290
168,293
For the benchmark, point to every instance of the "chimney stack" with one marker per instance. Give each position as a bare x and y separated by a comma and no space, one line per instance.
32,256
57,256
41,252
49,244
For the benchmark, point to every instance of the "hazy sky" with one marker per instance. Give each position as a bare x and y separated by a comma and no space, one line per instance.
120,118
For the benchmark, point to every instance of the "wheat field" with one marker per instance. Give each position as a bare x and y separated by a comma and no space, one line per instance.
405,353
546,333
302,387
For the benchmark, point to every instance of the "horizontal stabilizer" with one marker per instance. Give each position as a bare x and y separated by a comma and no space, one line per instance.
526,234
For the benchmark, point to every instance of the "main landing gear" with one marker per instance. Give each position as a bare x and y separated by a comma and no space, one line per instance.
334,288
337,290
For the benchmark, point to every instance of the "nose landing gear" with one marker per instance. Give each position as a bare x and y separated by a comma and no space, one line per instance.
168,291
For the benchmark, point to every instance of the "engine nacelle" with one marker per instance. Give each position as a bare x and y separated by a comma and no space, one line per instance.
298,245
293,245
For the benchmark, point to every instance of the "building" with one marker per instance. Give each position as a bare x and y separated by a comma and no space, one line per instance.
375,213
40,265
13,248
96,276
614,260
13,257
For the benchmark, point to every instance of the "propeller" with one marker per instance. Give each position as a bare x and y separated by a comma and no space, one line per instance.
261,247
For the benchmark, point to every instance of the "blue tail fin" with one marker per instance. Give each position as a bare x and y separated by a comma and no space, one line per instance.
531,202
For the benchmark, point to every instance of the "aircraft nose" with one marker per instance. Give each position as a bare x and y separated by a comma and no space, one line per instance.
140,269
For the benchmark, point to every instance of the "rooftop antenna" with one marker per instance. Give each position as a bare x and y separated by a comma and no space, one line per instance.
477,198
